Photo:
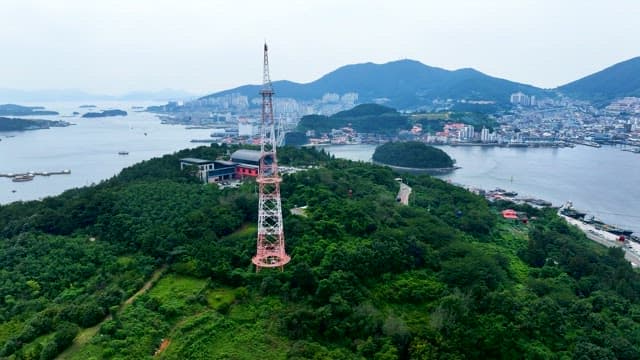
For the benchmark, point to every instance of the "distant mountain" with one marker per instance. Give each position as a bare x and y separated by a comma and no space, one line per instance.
401,84
14,95
619,80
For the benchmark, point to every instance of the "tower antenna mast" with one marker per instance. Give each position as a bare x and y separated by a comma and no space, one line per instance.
270,243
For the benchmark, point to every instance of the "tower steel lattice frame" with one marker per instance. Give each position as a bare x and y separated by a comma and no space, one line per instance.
270,243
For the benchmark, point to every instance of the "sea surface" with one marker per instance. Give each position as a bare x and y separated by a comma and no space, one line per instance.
89,148
604,182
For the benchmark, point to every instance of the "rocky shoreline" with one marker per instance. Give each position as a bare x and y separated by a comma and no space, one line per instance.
413,170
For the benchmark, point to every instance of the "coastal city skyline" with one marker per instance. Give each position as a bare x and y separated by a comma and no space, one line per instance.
203,47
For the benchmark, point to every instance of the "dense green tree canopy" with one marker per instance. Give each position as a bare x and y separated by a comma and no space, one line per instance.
412,154
365,118
442,278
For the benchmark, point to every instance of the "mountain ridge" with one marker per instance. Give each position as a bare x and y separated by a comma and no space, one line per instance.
616,81
402,84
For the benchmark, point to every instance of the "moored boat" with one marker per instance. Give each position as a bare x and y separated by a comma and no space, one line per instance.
22,178
569,211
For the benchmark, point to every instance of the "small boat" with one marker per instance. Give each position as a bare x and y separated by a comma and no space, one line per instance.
123,153
593,221
569,211
22,178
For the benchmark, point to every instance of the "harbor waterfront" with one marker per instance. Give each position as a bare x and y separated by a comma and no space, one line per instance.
603,182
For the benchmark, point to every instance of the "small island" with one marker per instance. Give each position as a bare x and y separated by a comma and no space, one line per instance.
19,110
413,156
105,113
16,124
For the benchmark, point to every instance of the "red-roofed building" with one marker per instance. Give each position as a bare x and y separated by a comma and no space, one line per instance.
510,214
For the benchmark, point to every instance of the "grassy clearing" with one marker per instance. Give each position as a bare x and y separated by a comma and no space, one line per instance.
174,287
247,230
210,335
225,329
221,297
508,239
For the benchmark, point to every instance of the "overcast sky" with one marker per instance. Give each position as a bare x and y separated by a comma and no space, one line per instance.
115,46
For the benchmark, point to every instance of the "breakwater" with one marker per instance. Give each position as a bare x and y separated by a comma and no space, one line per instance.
35,173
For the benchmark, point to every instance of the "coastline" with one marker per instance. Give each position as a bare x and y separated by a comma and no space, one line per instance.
631,249
418,170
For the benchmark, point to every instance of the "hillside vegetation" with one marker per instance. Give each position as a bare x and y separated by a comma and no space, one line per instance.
412,154
442,278
365,118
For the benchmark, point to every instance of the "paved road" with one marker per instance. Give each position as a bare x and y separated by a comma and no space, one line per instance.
631,252
403,194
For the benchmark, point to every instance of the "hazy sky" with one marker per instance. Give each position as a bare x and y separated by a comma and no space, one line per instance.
115,46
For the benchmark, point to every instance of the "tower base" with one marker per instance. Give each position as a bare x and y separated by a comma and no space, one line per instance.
270,260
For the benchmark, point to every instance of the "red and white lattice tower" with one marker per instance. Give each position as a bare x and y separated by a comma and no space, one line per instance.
270,251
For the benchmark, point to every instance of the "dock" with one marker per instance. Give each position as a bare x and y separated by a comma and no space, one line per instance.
35,173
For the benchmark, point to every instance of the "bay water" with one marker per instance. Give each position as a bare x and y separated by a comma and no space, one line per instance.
90,148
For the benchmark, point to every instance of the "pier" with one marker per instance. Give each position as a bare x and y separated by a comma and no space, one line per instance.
32,174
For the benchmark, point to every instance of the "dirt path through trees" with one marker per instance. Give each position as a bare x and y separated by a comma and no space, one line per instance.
86,334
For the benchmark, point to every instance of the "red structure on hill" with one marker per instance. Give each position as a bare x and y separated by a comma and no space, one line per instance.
270,248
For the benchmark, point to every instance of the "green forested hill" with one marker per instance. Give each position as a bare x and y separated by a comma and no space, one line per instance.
412,154
442,278
365,118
